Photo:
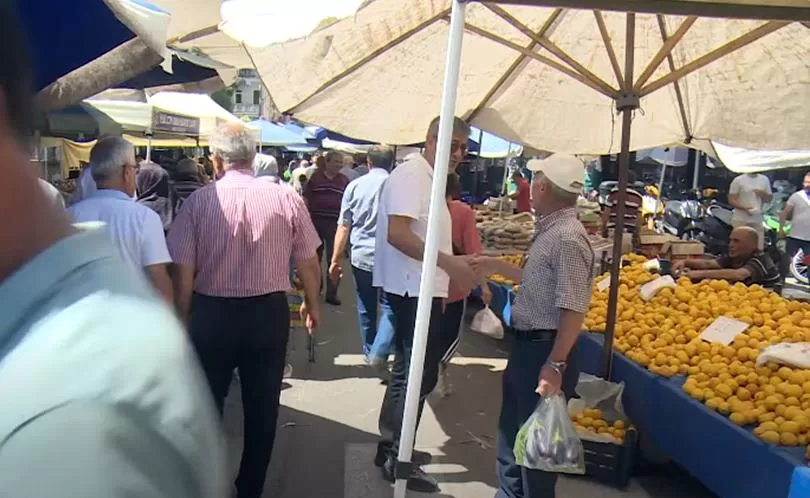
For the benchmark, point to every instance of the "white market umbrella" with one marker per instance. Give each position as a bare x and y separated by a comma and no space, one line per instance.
740,160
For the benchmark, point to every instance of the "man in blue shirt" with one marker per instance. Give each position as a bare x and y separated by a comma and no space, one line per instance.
101,392
358,220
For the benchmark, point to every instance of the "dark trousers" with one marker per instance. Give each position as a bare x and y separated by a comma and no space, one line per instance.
377,339
451,329
393,407
326,228
792,246
519,401
249,334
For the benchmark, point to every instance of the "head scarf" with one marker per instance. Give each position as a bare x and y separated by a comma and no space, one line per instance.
154,191
265,166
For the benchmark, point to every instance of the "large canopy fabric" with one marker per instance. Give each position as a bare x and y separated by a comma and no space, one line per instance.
741,160
276,135
545,77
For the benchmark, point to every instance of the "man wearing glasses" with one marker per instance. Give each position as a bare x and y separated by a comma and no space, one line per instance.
136,230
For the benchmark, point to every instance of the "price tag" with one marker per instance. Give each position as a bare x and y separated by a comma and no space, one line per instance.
603,284
723,330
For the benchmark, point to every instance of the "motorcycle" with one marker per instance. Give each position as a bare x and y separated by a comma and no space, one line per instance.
682,217
798,267
715,229
652,208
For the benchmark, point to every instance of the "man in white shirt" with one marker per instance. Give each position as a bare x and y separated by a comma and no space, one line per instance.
746,195
400,243
797,210
136,230
53,194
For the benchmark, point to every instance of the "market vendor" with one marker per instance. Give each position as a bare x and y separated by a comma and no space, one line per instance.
744,262
522,194
547,315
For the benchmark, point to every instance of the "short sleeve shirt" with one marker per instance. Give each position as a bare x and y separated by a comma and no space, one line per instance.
762,268
558,273
800,222
743,186
407,193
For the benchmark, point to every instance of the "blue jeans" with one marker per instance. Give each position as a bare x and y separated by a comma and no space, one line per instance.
519,401
376,339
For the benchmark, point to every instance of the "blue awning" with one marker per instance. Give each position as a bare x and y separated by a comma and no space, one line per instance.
277,135
65,35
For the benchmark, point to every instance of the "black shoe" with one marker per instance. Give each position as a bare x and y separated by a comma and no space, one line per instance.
333,301
417,457
418,480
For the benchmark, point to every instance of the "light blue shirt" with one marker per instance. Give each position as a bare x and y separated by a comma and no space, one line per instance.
100,390
359,210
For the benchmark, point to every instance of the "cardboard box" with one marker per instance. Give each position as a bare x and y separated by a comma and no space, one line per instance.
678,250
651,244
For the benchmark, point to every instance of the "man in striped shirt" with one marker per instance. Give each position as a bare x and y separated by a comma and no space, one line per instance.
324,194
232,241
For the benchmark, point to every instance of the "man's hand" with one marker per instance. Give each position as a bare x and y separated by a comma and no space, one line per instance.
782,233
550,382
335,271
483,265
460,272
486,294
311,316
761,194
679,266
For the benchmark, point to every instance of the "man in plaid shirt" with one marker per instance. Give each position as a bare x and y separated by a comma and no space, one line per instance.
555,290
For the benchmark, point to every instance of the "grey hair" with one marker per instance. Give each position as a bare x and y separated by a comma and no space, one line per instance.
109,156
562,196
381,156
265,165
234,143
460,127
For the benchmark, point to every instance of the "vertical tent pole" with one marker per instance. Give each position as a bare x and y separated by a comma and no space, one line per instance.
658,201
430,257
626,102
696,172
149,147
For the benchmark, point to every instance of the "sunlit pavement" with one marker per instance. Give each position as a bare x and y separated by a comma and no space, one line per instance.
328,424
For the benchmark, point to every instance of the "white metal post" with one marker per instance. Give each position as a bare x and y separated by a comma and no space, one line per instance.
149,147
696,171
434,228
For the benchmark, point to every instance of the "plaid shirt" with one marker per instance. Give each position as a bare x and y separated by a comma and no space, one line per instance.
558,273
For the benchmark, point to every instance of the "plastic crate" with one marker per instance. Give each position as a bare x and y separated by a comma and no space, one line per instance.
612,463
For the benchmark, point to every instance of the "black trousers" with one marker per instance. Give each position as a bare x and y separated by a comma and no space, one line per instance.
393,407
250,334
451,329
326,228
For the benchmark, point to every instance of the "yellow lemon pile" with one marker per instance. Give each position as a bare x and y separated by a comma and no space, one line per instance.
515,259
662,335
592,420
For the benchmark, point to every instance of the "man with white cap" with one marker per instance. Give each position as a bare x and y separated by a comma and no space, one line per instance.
547,316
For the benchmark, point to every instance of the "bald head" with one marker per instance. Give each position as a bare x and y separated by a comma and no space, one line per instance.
743,242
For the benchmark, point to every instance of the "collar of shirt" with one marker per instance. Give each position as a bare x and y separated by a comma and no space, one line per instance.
377,171
237,174
27,286
420,159
109,193
544,222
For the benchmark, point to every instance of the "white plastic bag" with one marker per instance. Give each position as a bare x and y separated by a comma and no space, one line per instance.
487,322
597,393
795,354
548,441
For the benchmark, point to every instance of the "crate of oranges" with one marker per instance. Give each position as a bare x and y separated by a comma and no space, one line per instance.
610,446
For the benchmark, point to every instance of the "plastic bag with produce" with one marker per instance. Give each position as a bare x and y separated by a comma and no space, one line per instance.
548,441
487,322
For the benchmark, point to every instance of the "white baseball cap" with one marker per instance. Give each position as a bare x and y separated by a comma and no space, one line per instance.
566,172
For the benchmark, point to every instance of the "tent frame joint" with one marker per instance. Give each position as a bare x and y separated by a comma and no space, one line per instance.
627,101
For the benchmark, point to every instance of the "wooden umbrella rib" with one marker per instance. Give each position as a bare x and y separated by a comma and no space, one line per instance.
614,61
550,22
193,35
545,60
372,55
550,46
714,55
678,94
665,51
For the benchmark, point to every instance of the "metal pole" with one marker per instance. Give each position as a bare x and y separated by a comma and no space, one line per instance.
696,172
658,201
149,147
626,103
427,284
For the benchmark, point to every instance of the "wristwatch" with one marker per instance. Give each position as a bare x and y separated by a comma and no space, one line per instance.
557,366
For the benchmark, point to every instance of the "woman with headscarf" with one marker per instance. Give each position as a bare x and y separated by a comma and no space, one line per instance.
185,179
154,191
265,167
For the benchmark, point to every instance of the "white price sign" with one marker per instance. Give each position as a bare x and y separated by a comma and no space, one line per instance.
603,285
723,330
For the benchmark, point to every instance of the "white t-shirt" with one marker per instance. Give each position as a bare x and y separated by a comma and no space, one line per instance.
54,196
800,222
743,187
136,230
407,193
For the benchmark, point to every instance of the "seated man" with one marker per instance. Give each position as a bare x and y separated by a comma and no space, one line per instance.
744,262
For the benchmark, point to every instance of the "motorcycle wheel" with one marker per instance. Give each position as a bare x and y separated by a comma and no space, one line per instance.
798,269
690,234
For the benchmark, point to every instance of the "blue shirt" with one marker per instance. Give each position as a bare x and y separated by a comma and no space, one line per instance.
358,210
101,392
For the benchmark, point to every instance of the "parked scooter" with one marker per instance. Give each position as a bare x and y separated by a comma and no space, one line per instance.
798,267
682,217
715,229
652,208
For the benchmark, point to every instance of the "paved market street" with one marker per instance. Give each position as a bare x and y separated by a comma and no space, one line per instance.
328,421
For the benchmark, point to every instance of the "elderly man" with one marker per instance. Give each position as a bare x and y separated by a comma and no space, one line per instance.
400,244
555,290
324,194
101,393
743,263
358,219
136,230
232,242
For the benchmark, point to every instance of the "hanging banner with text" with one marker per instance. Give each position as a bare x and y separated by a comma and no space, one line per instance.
166,122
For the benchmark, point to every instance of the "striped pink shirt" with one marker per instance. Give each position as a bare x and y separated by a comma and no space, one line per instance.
239,233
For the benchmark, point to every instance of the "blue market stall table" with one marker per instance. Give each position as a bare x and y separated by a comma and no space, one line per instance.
728,459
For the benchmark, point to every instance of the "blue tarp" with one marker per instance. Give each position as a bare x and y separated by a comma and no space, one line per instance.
317,134
274,134
65,35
